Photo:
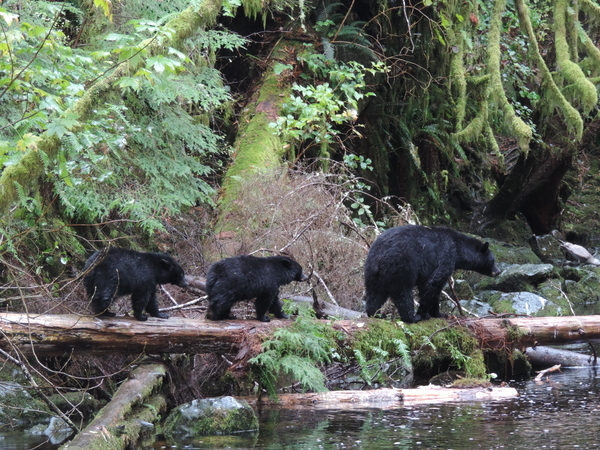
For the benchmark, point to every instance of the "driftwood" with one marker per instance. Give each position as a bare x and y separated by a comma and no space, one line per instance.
545,372
135,405
53,334
385,398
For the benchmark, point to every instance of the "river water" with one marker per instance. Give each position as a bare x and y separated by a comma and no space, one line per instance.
562,412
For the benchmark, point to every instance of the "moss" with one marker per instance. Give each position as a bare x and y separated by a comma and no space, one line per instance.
468,383
583,91
380,334
208,417
520,129
553,94
508,365
438,346
258,148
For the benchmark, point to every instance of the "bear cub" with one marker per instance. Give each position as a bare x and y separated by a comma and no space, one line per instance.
413,255
114,272
246,277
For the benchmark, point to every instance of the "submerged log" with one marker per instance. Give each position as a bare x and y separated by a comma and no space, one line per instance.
548,356
135,405
385,398
53,334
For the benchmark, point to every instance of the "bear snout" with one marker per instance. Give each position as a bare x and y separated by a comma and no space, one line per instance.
303,277
495,271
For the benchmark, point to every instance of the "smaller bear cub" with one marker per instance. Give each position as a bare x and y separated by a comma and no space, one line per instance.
115,272
246,277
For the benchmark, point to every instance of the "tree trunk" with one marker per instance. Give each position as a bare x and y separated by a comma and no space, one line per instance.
51,335
257,147
120,423
531,188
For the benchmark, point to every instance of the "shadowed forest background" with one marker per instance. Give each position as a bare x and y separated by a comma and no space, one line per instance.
212,128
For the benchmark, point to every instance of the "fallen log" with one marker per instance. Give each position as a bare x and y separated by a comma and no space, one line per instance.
54,334
135,405
523,332
385,398
57,334
548,356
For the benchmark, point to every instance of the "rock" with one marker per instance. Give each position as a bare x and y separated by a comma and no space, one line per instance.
212,416
518,277
578,253
525,302
547,248
58,431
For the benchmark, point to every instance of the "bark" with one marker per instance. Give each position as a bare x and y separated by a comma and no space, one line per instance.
385,398
523,332
120,423
51,335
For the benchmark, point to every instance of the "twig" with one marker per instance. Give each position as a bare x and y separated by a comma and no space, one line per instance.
168,294
329,294
184,305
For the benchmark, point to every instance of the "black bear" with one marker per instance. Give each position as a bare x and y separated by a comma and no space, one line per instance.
412,255
115,271
246,277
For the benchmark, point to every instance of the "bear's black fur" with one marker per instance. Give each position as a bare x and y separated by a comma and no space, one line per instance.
246,277
114,272
408,256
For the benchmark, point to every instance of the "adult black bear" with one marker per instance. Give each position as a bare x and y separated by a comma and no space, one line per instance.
246,277
408,256
115,271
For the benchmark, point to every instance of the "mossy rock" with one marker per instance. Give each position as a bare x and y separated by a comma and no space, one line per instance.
209,417
19,409
519,277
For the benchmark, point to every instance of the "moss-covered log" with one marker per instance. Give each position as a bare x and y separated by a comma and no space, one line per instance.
49,334
120,423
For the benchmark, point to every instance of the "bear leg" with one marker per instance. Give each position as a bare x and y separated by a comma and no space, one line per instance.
100,306
219,308
430,291
139,301
152,308
263,305
405,305
374,299
276,310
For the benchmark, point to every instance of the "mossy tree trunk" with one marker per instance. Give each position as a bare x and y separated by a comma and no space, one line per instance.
257,147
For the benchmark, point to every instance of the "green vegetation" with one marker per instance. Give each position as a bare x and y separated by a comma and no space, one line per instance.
297,354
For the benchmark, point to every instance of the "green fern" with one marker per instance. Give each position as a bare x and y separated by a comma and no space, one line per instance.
296,353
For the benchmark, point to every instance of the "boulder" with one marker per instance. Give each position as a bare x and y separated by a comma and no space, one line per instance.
211,416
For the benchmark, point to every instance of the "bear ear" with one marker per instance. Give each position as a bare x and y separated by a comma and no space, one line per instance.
286,262
484,247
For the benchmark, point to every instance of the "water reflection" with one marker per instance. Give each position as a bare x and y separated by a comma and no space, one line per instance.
559,413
